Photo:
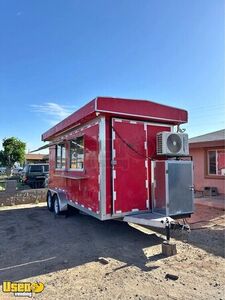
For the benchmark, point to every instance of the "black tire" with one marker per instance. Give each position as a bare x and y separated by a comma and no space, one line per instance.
56,207
49,201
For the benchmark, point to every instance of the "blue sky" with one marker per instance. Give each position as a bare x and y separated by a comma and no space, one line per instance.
57,55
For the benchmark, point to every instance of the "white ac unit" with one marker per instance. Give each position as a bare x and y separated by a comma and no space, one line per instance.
172,144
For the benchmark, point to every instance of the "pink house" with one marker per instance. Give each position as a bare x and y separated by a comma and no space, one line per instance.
208,152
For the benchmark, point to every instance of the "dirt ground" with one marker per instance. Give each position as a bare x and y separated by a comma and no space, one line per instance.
63,254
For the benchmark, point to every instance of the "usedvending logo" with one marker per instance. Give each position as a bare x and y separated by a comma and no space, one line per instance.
22,289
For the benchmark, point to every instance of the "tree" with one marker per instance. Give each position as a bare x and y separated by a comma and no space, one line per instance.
13,151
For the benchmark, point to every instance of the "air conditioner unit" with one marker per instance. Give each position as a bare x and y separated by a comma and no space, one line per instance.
172,144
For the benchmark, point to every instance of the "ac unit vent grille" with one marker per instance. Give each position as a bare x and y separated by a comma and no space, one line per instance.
174,143
159,144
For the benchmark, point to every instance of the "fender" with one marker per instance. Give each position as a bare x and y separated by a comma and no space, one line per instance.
62,196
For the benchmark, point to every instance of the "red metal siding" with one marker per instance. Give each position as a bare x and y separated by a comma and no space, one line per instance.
108,138
142,109
160,192
129,169
152,131
85,190
133,169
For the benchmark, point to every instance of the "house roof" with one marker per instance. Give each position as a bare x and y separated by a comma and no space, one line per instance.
209,137
30,156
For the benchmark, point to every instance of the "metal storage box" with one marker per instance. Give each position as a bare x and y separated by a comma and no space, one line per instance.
173,191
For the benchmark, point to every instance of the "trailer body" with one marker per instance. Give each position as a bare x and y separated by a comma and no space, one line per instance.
103,160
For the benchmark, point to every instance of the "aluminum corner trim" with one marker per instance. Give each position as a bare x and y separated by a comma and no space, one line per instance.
102,166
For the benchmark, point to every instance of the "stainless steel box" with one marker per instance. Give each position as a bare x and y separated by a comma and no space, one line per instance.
172,187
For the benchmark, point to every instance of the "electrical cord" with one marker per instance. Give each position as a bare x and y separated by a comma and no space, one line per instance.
202,221
129,146
133,149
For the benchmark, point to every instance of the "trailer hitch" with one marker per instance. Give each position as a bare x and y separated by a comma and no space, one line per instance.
156,221
180,226
175,226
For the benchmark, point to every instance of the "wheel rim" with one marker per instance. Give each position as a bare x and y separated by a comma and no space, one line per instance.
49,200
56,206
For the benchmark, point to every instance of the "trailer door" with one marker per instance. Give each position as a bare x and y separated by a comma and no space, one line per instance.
129,166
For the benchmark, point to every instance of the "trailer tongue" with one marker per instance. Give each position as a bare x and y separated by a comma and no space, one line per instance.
156,221
149,219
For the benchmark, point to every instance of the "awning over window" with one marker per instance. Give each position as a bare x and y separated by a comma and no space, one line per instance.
46,146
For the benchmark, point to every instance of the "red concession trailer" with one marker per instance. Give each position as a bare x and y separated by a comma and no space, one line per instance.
121,158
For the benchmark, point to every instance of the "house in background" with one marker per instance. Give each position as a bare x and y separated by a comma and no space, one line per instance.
31,158
208,153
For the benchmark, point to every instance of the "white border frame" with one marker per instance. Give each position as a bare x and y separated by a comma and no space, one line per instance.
102,167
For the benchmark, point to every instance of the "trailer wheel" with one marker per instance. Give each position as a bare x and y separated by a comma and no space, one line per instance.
56,207
49,201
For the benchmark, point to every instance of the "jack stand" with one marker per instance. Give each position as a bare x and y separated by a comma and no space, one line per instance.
168,249
167,231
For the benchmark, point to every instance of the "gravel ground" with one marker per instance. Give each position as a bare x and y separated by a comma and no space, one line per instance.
63,254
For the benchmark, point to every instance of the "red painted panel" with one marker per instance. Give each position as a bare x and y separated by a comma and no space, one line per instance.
160,190
152,131
143,108
108,138
131,174
85,190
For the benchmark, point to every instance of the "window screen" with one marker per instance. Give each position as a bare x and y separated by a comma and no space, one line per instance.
77,153
60,156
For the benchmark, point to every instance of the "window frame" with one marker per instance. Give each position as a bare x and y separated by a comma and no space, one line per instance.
56,159
209,175
69,156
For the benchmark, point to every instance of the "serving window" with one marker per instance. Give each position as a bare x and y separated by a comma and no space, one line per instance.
77,153
60,156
